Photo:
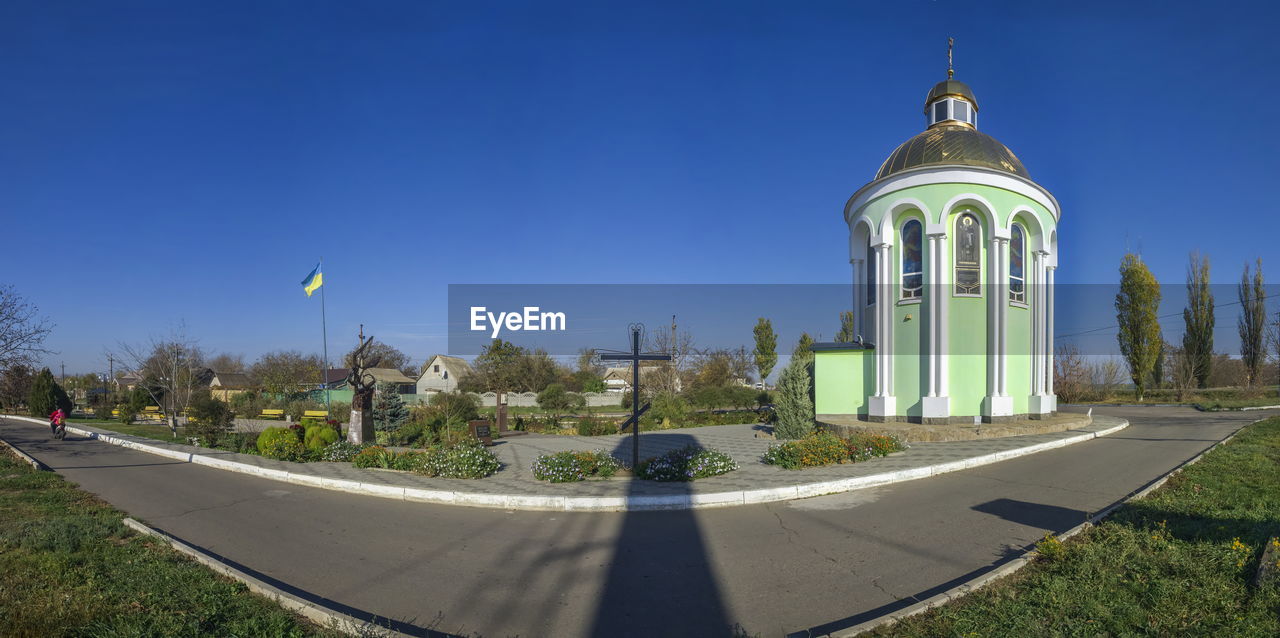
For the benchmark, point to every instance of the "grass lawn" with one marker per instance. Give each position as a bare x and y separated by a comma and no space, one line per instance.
1236,404
1179,562
71,568
159,431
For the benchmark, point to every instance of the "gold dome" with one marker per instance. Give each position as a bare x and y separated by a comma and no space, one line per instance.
949,144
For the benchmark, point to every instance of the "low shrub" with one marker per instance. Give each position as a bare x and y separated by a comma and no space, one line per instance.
590,426
280,443
407,461
242,442
467,458
317,437
340,451
374,456
824,448
686,464
413,433
565,467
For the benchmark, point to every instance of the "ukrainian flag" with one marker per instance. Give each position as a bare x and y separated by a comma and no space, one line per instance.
313,281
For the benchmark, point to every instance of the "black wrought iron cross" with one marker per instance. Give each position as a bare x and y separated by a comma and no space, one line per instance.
635,357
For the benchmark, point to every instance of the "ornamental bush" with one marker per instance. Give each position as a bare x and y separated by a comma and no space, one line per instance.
686,464
340,451
824,448
591,426
565,467
270,436
793,401
465,459
317,437
282,448
374,456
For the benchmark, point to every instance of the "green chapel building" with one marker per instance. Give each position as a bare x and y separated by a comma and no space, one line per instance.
953,249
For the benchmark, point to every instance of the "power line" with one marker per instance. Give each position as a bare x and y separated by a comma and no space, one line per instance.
1114,327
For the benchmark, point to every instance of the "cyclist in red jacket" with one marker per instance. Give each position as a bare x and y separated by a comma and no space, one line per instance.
57,419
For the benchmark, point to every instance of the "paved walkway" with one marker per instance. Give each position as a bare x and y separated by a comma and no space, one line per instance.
513,487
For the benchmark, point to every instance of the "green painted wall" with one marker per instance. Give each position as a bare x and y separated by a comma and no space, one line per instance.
843,379
1018,376
967,366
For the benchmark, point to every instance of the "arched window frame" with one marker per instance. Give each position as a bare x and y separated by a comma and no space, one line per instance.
909,293
967,275
872,284
1018,255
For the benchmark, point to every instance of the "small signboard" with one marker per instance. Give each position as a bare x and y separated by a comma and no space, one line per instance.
482,430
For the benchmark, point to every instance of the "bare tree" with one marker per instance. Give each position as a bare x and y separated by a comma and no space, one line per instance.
22,331
170,369
227,362
1183,373
287,371
1070,374
671,374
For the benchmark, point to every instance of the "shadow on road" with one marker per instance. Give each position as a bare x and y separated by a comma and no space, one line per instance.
660,582
1035,515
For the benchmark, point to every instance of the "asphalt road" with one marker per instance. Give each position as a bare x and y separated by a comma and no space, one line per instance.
772,569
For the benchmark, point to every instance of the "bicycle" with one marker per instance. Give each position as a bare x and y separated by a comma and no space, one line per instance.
59,430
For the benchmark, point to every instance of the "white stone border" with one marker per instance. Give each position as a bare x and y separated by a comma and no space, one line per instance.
1018,563
316,613
23,455
597,503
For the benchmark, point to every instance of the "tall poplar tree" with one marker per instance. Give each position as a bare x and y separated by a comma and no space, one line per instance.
766,352
846,328
1197,339
1252,322
1137,311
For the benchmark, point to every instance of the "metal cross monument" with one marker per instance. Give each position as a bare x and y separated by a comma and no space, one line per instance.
635,357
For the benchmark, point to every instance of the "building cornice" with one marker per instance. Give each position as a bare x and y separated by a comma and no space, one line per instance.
952,174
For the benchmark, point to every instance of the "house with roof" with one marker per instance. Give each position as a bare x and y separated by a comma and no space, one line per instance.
618,379
224,385
442,373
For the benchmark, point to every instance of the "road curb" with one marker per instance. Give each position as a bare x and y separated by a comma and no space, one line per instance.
599,503
23,455
1018,563
316,613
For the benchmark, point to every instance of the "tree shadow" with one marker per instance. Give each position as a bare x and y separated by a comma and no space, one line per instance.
1031,514
660,581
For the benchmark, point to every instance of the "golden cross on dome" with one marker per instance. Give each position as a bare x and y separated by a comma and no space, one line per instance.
951,72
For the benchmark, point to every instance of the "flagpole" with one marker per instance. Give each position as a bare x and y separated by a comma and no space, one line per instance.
324,331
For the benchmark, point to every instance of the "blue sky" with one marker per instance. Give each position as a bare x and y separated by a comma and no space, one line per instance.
191,161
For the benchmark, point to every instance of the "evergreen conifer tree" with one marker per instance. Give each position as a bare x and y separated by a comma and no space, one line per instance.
793,401
47,396
389,410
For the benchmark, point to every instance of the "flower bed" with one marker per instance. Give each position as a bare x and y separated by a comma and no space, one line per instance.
566,467
686,464
466,459
824,448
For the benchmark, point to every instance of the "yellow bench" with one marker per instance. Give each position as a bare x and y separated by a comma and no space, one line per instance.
315,414
115,414
272,414
152,412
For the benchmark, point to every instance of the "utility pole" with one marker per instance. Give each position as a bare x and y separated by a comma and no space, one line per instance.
64,373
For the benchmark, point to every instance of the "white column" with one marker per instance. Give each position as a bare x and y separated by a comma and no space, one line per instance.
931,306
1048,333
1003,309
998,403
936,405
1033,290
883,405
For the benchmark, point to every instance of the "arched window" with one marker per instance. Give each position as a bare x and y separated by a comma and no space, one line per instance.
871,274
912,259
968,256
1017,250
